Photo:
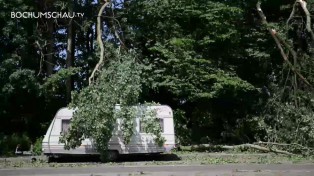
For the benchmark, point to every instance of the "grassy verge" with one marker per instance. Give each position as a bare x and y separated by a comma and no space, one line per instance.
242,158
181,158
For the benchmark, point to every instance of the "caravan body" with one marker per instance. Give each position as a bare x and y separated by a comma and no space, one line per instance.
141,142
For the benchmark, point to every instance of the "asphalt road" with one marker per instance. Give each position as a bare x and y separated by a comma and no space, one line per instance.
211,170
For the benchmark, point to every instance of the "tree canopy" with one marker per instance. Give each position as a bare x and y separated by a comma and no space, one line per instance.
233,71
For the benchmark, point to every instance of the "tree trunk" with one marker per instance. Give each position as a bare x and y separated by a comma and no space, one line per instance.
50,44
100,42
70,53
93,37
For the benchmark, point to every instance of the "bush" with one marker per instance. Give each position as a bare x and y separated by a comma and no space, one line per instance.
2,142
23,140
38,146
8,143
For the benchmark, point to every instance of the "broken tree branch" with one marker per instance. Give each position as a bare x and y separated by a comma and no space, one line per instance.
115,30
283,144
292,13
42,57
241,146
274,34
303,5
308,17
257,147
288,46
99,40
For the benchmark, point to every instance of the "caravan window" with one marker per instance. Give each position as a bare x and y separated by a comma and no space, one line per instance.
65,125
142,130
161,123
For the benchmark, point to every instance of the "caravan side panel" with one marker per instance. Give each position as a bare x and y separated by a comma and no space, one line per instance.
140,142
51,144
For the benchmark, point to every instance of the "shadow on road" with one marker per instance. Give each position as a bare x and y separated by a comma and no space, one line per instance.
137,158
122,158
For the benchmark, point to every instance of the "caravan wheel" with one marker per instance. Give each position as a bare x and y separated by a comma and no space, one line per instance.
112,155
49,158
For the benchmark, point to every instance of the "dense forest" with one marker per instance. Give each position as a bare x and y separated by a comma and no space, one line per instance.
233,71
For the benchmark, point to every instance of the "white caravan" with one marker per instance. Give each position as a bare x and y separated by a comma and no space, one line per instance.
140,143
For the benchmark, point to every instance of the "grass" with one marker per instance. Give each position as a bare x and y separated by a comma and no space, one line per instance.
185,158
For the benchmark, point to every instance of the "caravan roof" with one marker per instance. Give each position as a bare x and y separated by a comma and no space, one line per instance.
162,110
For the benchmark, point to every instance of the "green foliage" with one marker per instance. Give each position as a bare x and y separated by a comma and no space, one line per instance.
127,119
285,117
37,146
211,61
289,109
183,134
56,81
95,117
151,124
196,66
21,81
8,144
22,106
19,90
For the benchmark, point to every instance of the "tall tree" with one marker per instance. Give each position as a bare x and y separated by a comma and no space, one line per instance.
70,50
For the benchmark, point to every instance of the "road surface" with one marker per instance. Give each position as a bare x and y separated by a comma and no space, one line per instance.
211,170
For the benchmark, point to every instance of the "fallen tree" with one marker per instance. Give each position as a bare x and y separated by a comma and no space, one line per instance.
256,147
266,147
283,144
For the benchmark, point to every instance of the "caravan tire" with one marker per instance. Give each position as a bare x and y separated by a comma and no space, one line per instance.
50,159
112,155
